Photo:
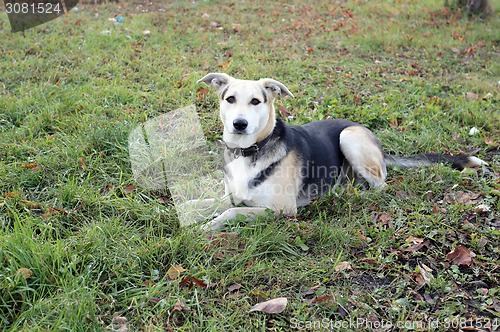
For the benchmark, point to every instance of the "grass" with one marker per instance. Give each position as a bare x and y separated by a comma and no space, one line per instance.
80,249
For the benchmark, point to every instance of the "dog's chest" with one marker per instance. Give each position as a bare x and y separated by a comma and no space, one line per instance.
240,176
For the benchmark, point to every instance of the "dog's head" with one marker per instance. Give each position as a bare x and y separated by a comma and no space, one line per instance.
246,107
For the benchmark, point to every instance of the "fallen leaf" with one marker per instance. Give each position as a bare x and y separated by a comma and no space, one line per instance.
51,211
385,220
461,256
429,299
283,111
106,189
82,164
25,272
149,283
201,93
224,239
129,189
12,194
424,275
179,307
234,287
471,96
482,208
237,27
461,197
491,141
175,271
190,281
30,165
322,299
274,306
455,50
154,299
415,243
343,266
357,100
30,205
119,323
226,65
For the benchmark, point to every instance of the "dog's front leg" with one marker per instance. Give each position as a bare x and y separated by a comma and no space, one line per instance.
219,222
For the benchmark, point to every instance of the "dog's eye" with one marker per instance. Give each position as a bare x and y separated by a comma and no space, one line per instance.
231,99
255,101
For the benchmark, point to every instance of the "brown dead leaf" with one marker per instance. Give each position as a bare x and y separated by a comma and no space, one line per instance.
12,194
30,165
385,220
223,239
30,205
237,27
191,281
25,272
149,283
226,65
424,275
106,189
119,323
273,306
180,307
234,287
129,189
320,299
490,141
394,123
154,299
471,96
51,211
201,93
343,266
175,271
461,197
416,243
82,164
461,256
283,111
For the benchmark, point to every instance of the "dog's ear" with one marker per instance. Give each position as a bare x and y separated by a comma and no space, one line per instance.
217,80
276,88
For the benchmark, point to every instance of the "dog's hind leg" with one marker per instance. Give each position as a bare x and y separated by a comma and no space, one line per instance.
363,152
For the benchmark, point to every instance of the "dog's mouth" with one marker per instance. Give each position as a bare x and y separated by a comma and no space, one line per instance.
239,132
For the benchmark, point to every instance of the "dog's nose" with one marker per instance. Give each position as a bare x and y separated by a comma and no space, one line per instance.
240,124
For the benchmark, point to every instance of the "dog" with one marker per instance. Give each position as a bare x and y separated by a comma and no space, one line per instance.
272,165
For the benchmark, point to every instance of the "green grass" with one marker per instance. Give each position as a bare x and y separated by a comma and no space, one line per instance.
73,89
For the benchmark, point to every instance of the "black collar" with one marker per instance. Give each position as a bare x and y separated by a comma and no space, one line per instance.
252,150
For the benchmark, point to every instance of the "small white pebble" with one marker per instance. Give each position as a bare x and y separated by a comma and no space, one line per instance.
473,131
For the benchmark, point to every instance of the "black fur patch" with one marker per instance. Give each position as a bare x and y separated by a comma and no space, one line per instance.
263,175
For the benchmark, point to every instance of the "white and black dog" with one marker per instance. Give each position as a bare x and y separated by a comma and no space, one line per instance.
272,165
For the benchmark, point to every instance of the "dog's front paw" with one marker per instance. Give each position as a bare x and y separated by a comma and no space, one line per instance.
214,224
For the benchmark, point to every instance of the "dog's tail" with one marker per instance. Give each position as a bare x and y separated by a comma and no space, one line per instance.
459,162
